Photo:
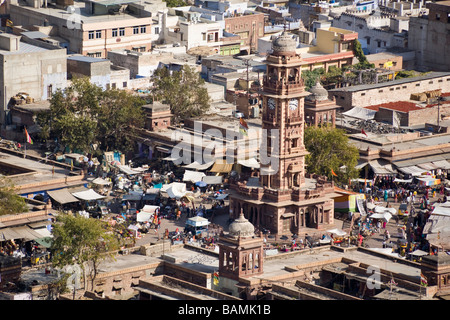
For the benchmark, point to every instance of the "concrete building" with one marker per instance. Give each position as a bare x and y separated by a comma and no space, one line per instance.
375,33
428,37
332,47
91,28
28,69
249,26
374,94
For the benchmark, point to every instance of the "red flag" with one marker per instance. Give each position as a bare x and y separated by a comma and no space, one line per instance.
28,137
363,132
334,174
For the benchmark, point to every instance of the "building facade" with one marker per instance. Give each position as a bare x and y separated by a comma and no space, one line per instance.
90,28
429,37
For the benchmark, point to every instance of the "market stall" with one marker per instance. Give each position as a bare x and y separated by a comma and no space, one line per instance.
197,225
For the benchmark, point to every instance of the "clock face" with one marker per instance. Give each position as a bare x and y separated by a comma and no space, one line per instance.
293,104
271,103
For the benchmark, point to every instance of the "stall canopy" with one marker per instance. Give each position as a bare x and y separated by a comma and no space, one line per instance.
428,181
22,232
212,179
132,196
221,166
442,164
62,196
193,176
176,190
381,167
146,213
88,195
250,163
437,231
127,170
338,232
361,113
442,209
198,166
197,222
101,182
412,170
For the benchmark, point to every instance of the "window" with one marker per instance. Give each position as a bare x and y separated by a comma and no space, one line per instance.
380,91
114,32
121,32
368,40
143,29
125,84
363,94
91,35
157,30
135,30
98,34
49,91
438,16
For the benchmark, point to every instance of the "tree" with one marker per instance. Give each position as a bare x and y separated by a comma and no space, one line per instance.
82,241
83,114
359,54
183,90
310,77
10,201
175,3
329,149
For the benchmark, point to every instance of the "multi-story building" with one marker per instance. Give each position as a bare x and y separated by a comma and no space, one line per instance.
429,37
29,70
91,28
249,26
333,47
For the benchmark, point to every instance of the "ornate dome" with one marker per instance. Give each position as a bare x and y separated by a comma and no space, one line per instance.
241,227
318,93
284,43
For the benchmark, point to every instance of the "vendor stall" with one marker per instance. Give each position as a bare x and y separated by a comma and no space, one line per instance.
197,225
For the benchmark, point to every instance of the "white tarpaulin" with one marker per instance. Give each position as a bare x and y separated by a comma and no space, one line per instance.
176,190
197,221
338,232
386,216
198,166
149,208
212,179
442,209
193,176
361,113
403,180
101,181
88,195
250,163
442,164
127,170
412,170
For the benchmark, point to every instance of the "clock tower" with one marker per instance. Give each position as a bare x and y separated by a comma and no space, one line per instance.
283,116
287,200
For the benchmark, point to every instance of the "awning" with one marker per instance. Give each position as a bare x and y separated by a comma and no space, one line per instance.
62,196
382,167
8,234
428,181
442,164
198,166
427,166
101,181
197,221
88,195
213,179
132,196
403,180
361,164
26,233
127,170
193,176
221,166
412,170
250,163
288,215
338,232
176,190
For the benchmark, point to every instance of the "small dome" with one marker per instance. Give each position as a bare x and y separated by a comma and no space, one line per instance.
284,43
318,93
241,227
